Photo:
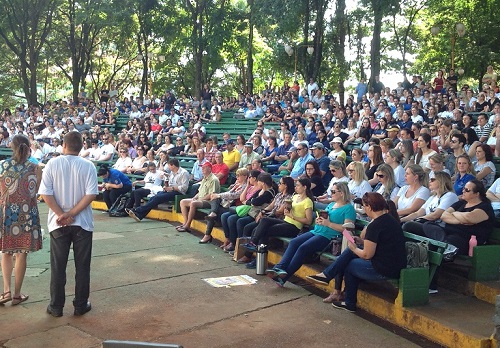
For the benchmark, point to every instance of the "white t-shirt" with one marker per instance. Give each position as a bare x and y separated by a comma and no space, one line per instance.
424,161
359,190
122,163
495,188
334,181
406,202
69,179
443,202
394,192
399,176
105,151
152,181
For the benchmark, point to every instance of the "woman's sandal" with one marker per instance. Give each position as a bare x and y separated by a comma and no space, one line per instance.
4,298
19,299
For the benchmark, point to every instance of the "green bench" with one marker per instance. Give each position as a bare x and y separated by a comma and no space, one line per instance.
413,283
484,264
5,152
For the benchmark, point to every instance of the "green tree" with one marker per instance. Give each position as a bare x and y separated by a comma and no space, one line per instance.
24,27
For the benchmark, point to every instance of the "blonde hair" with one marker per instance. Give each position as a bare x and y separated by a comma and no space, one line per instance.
359,172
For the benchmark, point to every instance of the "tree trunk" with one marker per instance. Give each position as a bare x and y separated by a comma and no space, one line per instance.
250,50
340,16
376,43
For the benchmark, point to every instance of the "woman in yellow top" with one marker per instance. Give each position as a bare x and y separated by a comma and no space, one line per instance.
301,214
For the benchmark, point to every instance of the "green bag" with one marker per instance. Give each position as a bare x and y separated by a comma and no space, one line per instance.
242,210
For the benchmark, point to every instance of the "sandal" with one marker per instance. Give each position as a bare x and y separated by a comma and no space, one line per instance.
4,298
182,229
19,299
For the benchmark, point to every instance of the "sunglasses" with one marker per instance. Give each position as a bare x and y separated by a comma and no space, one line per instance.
432,179
123,151
380,175
467,190
351,170
333,170
453,141
334,192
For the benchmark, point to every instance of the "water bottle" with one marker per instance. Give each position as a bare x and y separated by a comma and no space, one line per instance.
472,244
261,264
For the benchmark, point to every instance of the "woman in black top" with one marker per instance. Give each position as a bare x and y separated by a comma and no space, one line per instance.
383,255
313,173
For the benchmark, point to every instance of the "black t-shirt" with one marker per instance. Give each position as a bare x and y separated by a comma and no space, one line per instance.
390,254
105,97
319,189
481,230
370,172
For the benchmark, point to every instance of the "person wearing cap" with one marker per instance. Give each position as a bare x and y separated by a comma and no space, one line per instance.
319,153
248,156
337,152
287,166
231,156
209,184
282,154
392,133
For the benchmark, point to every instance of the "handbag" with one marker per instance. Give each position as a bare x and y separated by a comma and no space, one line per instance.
242,210
255,210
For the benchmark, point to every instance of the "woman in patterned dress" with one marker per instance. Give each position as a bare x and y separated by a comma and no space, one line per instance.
19,219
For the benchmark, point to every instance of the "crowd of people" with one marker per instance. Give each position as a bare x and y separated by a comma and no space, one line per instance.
419,155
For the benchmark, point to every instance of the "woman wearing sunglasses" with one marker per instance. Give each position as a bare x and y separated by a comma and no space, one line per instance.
442,197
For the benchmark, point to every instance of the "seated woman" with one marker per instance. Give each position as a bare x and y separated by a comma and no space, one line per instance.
464,173
442,197
339,172
493,194
115,183
411,197
340,212
221,203
358,185
314,175
484,166
386,186
382,256
124,161
230,218
472,215
137,166
274,211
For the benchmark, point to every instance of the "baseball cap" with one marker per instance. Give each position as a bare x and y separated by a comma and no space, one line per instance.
337,140
207,164
393,129
318,145
292,149
248,144
230,141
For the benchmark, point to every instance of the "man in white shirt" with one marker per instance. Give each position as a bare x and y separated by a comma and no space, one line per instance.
312,86
68,187
107,150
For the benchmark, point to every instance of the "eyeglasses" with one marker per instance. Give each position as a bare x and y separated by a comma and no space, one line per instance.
123,151
334,192
433,129
467,190
380,175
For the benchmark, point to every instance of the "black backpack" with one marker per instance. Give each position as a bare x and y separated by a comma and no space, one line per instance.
118,207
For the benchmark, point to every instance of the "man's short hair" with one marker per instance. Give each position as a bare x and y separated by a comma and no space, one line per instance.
73,141
174,162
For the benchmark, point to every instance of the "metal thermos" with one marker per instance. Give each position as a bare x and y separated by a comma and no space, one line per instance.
261,264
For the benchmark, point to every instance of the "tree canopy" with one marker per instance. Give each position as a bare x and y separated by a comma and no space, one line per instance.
54,48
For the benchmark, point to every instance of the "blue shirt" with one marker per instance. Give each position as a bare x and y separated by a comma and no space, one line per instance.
116,177
461,181
300,166
337,216
324,165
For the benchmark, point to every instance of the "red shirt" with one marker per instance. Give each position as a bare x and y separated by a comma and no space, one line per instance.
221,168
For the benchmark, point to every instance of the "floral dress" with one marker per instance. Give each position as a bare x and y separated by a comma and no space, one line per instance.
19,218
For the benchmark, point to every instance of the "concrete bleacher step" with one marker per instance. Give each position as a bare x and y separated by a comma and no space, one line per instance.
451,318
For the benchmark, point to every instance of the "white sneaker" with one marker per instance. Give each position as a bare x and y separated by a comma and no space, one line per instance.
433,291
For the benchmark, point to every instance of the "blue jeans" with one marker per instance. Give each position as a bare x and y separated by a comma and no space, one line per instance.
159,198
60,243
354,269
298,249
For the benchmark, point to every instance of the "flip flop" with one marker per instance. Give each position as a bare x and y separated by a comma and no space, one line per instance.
19,299
4,298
